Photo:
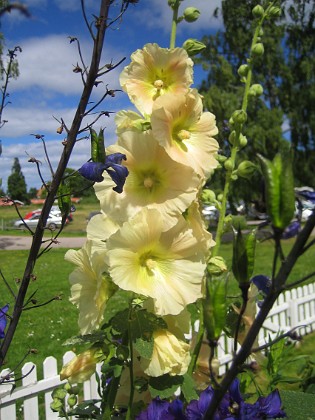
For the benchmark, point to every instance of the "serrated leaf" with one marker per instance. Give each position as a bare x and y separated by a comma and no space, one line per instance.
164,386
144,323
144,347
188,388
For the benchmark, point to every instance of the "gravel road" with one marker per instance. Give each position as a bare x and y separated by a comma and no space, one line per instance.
24,242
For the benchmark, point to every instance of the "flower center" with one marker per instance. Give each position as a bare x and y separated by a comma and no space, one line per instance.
183,135
148,182
150,264
158,84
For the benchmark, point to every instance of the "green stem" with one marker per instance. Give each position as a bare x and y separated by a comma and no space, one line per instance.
200,335
131,376
174,24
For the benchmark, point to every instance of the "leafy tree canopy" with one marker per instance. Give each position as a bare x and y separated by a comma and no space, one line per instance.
16,183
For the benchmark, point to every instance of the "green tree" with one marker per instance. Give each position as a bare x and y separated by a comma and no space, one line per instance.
16,183
287,65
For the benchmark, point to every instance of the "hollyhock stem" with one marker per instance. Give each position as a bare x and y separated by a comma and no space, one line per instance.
174,24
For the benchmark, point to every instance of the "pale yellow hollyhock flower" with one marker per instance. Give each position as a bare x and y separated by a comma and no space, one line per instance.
153,71
100,227
154,181
82,366
90,287
185,131
166,266
170,355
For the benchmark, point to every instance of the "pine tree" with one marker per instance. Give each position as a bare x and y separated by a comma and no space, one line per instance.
16,183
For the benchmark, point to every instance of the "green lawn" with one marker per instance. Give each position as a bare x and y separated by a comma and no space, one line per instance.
47,327
8,215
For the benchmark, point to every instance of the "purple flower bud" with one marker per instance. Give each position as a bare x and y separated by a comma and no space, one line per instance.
291,230
263,283
163,410
3,320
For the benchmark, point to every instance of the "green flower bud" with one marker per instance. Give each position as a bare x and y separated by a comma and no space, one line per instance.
246,169
234,176
56,405
243,256
220,197
242,141
256,90
72,400
228,164
68,387
261,32
232,137
191,14
243,70
216,266
258,49
221,158
59,393
215,309
274,11
172,3
193,47
258,11
208,196
239,116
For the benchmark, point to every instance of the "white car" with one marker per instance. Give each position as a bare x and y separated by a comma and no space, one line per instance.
53,222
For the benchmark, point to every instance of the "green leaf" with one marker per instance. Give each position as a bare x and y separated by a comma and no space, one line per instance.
188,388
144,347
164,386
298,405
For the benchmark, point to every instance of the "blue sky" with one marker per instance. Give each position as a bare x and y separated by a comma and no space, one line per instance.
48,87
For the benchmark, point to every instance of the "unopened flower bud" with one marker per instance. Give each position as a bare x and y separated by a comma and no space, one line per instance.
246,169
56,405
221,158
172,3
72,400
239,116
81,367
243,70
258,11
274,11
256,90
228,164
232,137
234,176
208,196
191,14
59,393
216,266
258,49
193,47
59,130
242,141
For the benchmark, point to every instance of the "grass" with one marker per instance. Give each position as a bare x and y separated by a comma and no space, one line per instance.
47,327
8,215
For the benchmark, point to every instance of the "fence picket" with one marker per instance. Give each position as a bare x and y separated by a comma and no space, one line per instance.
295,307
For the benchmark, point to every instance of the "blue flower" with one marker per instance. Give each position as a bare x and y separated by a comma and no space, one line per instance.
233,406
263,283
93,171
163,410
3,320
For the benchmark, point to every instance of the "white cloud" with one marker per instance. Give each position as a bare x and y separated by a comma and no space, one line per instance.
48,62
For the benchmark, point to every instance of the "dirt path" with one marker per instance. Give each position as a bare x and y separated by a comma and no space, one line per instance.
24,242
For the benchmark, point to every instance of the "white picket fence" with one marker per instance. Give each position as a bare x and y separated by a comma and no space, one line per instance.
294,308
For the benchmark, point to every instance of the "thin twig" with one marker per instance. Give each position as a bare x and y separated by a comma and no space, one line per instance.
296,283
276,340
7,284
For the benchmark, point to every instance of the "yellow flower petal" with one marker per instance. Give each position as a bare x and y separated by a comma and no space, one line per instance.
153,71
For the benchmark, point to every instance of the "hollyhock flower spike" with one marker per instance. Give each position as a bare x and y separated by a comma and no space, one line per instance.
93,171
153,71
3,320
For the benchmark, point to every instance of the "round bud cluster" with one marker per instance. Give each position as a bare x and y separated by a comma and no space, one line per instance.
258,11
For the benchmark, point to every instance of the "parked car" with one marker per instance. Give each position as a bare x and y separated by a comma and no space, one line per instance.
53,222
